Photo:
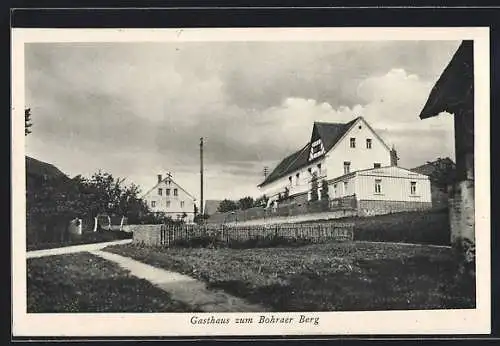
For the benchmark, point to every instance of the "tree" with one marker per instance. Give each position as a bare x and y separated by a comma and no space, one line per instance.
27,121
443,173
103,194
261,201
246,202
314,187
324,190
227,205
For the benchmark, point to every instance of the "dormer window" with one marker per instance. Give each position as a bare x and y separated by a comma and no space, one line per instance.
317,148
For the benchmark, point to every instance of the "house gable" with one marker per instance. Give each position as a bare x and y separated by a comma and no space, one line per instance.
167,182
359,148
324,136
359,121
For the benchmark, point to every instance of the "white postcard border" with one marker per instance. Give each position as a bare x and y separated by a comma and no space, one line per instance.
476,321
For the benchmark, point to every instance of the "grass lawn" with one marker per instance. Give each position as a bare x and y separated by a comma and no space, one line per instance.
419,227
322,277
85,283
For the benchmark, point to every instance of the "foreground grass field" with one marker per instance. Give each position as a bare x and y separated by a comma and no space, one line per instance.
419,227
86,283
322,277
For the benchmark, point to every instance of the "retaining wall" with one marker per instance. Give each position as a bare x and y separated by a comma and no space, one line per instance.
145,234
370,208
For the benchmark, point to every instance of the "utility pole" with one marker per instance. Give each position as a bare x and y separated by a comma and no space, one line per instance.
266,171
201,175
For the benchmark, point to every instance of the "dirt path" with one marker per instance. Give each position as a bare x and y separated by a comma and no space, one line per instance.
74,248
182,287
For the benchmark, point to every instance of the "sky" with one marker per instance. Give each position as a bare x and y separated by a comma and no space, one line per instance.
138,109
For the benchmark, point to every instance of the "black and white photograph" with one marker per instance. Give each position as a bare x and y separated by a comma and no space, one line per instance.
258,181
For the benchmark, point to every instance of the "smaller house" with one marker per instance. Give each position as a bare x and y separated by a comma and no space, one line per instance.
381,190
169,199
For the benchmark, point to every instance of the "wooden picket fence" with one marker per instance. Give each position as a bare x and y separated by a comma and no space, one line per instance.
172,235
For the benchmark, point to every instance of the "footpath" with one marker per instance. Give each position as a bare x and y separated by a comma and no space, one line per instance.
180,287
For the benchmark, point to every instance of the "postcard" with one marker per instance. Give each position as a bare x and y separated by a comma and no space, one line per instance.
250,181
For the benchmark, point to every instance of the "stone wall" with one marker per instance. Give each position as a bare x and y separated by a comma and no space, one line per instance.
145,234
330,215
462,211
369,208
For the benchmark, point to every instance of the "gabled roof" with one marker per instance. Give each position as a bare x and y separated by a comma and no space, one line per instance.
39,168
172,180
330,134
455,86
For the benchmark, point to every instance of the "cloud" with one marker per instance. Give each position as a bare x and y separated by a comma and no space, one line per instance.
136,109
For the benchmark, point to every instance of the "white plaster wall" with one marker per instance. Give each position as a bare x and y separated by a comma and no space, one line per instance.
278,186
394,188
175,208
360,157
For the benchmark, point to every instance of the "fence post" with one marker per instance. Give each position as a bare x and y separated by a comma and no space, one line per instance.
162,236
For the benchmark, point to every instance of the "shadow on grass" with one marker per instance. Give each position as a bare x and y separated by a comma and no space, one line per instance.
371,285
85,283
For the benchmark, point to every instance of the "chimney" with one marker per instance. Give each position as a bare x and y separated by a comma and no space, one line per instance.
394,157
159,178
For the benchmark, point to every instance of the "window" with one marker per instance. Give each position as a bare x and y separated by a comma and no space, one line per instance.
182,204
297,179
175,192
368,143
347,167
168,204
319,168
413,187
309,170
353,142
346,187
316,148
153,204
376,165
290,180
378,185
159,192
335,191
167,192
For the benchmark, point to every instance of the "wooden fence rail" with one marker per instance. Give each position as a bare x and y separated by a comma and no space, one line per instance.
174,235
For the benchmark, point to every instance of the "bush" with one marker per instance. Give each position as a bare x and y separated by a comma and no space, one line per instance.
422,227
214,241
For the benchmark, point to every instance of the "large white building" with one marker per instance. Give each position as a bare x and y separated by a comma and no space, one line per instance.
170,199
357,165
